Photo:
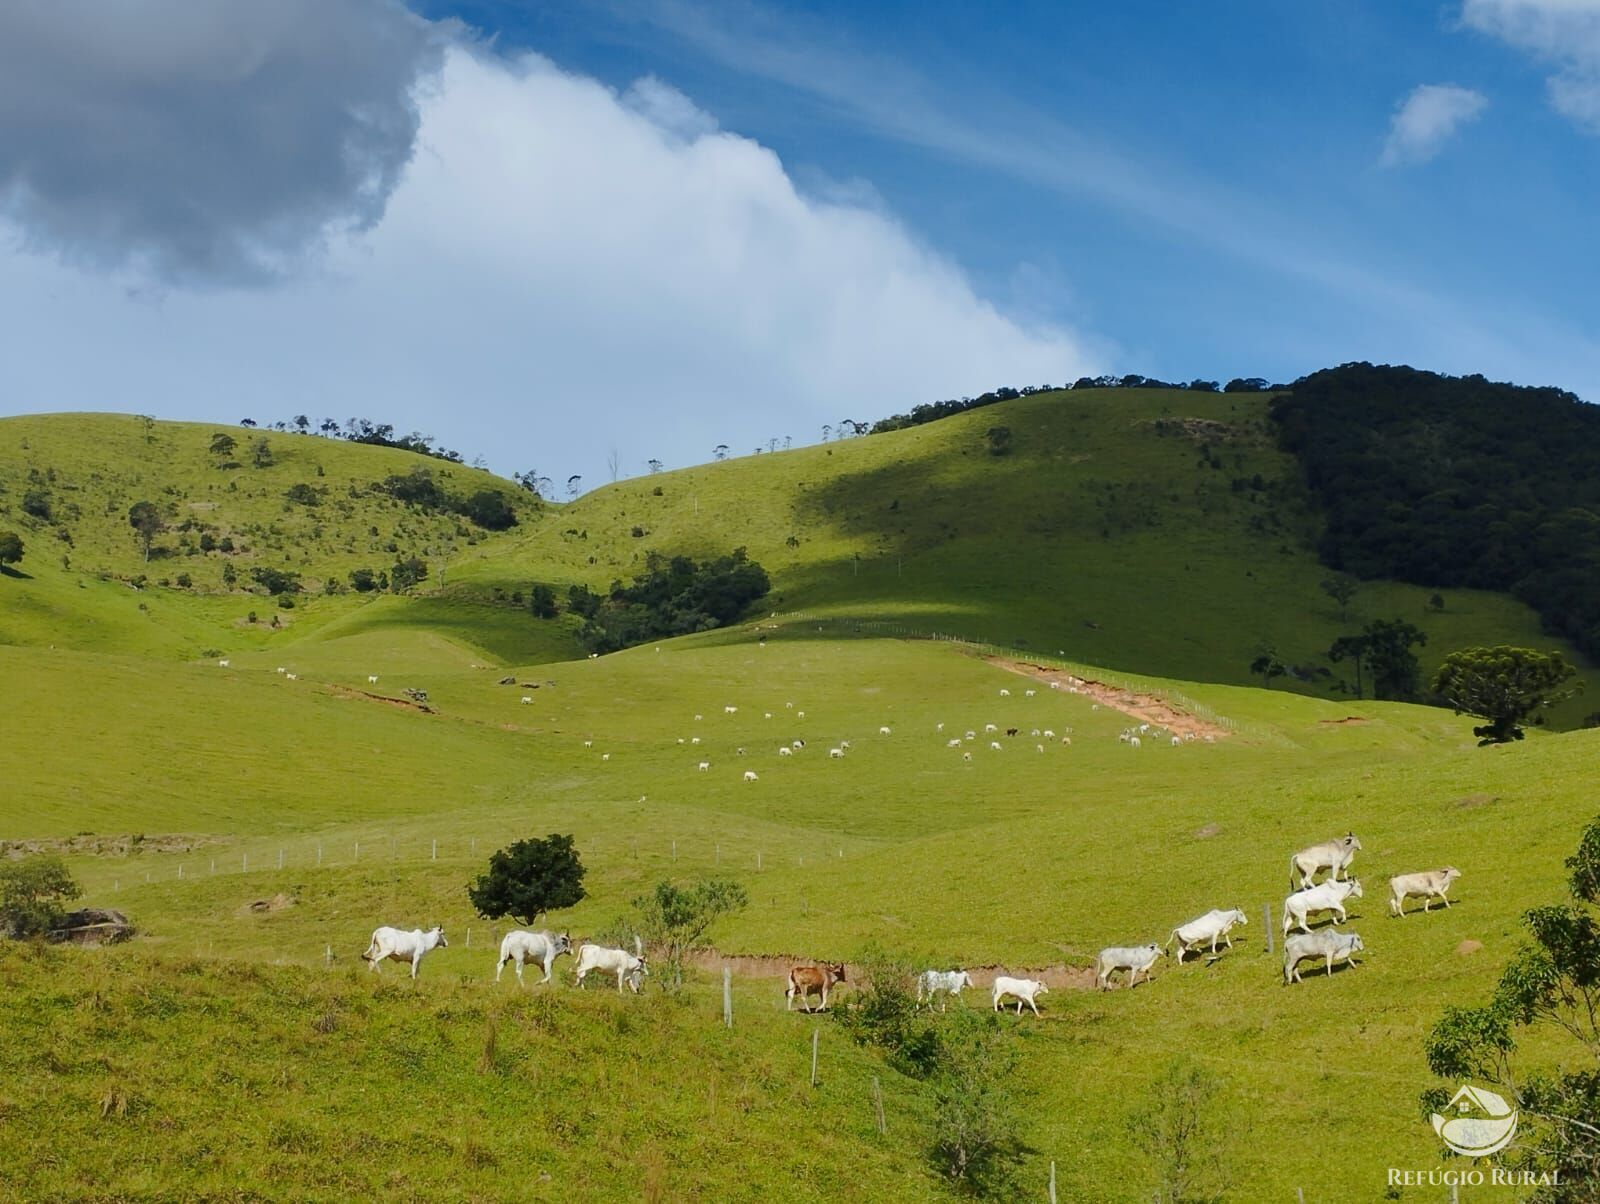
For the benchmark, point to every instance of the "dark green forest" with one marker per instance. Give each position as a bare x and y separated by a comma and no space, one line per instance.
1455,481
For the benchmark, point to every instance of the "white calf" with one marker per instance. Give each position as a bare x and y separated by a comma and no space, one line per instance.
626,966
1023,990
1430,885
1136,961
931,983
403,946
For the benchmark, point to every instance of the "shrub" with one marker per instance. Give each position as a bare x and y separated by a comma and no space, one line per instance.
675,919
363,581
975,1130
32,892
275,581
883,1011
37,503
529,878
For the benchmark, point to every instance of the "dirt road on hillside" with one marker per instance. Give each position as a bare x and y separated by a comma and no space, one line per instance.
1147,708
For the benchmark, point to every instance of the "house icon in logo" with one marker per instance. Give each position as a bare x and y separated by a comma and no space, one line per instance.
1482,1123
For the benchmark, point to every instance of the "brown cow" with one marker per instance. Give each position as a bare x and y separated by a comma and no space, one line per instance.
812,980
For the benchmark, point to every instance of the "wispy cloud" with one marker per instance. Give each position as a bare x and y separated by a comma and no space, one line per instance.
1427,119
1562,33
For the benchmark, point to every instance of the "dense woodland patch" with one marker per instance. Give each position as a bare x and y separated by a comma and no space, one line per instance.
1455,482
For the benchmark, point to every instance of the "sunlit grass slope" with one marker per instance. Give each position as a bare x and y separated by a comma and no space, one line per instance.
1019,858
1154,531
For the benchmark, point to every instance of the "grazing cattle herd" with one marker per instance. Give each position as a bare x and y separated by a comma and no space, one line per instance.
1307,898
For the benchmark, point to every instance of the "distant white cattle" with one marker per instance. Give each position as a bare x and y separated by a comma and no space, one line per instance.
605,756
527,700
797,745
800,714
1430,884
224,662
588,743
785,751
694,739
628,967
704,765
966,756
836,752
1133,741
1136,960
372,679
932,983
1334,946
1040,747
1048,734
281,669
1028,693
730,710
1004,693
995,745
955,743
989,729
750,775
291,676
403,946
540,948
883,731
1214,924
1335,855
1328,896
1023,990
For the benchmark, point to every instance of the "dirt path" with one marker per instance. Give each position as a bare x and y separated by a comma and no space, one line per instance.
751,965
1147,708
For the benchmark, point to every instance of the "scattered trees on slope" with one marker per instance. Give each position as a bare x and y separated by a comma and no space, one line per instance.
32,893
1504,685
671,597
10,548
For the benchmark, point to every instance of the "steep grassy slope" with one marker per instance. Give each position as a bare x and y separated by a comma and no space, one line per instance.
1018,857
1151,530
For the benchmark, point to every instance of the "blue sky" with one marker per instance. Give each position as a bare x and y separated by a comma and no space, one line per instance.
544,233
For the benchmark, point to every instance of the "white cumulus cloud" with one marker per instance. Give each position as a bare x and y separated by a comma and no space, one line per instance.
1427,119
1563,33
558,270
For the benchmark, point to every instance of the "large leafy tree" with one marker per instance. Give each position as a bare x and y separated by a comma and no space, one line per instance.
1550,991
1504,685
10,548
1392,666
529,878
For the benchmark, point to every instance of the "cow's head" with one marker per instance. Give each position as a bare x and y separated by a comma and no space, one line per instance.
1450,873
1160,951
439,932
1355,943
836,972
1354,890
1039,987
964,979
1238,916
561,944
1350,841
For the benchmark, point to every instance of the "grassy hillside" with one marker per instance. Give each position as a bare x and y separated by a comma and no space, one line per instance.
1019,858
1156,531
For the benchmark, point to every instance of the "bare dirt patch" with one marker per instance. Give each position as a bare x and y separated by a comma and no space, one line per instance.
404,704
1468,801
1468,947
1353,720
1147,708
107,846
261,906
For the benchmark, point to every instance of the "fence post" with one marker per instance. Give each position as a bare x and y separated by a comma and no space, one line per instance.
244,863
435,855
727,996
327,957
358,851
1266,916
758,859
213,865
1300,1194
116,884
877,1107
815,1034
319,852
180,869
1052,1178
469,936
674,850
280,859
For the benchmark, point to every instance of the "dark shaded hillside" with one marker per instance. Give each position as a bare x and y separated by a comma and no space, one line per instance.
1455,481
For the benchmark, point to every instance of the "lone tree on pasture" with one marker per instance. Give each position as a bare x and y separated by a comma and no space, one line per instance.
32,892
1551,990
675,919
10,548
1177,1129
261,452
1268,665
529,878
147,523
999,438
1341,587
1503,685
223,445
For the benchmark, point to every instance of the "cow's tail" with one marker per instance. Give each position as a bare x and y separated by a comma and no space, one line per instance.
372,948
1292,868
1170,939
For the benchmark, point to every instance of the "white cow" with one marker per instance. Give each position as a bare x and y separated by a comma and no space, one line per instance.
224,663
750,775
1023,990
730,710
797,745
540,948
704,765
989,729
1048,734
628,967
1028,693
995,745
588,743
836,752
291,677
883,731
403,946
1335,855
694,739
1136,960
1429,884
956,743
785,751
1329,896
372,679
527,700
1209,927
1004,693
1334,946
966,756
931,983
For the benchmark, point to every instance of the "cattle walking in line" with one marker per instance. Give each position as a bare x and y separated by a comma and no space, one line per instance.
540,948
932,983
403,946
1430,884
807,981
1333,946
1136,960
1023,990
1335,855
1328,896
628,967
1214,924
